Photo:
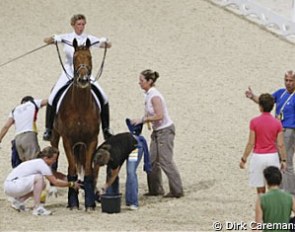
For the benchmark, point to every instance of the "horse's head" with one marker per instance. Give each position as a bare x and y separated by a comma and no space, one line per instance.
82,64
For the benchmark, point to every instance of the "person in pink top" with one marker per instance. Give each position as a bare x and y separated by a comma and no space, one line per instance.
266,142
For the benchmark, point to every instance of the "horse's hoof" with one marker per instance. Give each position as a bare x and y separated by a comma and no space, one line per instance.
87,209
73,207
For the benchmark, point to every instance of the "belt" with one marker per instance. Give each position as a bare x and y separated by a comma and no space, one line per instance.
15,178
25,132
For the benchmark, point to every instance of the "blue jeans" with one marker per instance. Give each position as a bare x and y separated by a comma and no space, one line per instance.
131,188
115,187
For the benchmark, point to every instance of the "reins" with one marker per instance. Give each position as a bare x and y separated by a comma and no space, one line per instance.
102,63
60,60
99,73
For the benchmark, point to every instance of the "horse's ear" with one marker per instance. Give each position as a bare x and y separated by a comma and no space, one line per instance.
75,43
88,43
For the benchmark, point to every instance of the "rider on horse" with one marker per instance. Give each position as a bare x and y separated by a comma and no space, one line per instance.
78,23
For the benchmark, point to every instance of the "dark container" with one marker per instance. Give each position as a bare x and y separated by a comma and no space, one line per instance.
111,203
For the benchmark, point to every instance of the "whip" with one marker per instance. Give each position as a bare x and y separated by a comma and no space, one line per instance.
27,53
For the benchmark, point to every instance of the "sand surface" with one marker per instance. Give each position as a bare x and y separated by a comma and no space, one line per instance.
206,58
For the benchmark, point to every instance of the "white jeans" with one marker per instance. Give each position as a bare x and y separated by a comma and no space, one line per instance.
258,163
19,187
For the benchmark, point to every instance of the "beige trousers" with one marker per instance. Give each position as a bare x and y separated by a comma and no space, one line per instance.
161,152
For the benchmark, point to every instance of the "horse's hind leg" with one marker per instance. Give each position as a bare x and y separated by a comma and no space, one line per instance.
90,177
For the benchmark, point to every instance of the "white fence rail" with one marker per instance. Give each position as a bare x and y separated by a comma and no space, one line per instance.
267,17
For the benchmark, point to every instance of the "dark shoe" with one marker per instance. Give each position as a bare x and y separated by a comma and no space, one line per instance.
107,133
171,195
148,194
47,135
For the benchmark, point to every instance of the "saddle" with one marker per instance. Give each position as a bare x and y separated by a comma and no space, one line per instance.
61,93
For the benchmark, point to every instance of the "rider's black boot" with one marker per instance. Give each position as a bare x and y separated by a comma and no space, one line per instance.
105,121
50,112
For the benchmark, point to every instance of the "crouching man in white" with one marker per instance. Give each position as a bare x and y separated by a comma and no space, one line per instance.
28,180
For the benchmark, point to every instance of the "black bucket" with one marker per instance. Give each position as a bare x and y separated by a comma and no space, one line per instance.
111,203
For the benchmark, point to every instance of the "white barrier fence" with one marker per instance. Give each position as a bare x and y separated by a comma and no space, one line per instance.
267,17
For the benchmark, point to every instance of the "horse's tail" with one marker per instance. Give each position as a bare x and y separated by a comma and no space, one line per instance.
79,151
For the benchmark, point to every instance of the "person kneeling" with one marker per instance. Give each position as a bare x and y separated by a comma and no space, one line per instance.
27,179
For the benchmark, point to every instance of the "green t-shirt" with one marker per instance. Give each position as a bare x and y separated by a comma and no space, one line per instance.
276,206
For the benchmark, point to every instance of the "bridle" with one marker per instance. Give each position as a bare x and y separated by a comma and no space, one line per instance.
70,78
82,78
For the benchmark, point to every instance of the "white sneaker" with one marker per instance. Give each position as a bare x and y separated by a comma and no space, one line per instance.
19,206
41,211
133,207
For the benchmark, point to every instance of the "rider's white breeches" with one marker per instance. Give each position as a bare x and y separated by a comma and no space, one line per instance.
63,79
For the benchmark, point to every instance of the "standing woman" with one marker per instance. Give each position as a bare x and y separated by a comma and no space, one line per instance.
78,23
267,142
162,138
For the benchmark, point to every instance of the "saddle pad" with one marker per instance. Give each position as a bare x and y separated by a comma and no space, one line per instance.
63,94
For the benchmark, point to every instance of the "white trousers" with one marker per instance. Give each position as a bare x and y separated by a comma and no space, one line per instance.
63,79
19,187
258,163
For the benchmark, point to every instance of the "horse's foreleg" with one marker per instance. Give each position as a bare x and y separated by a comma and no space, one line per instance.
73,201
89,192
54,143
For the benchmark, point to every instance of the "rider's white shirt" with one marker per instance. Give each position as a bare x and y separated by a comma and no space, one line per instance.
69,50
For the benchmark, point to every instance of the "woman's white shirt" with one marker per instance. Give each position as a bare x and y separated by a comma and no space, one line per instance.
166,121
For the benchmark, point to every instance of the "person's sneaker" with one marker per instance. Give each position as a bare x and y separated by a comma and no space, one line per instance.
19,206
133,207
41,211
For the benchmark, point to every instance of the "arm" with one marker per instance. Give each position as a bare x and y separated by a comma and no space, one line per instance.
106,43
6,127
62,183
49,40
248,149
158,109
282,150
249,94
293,204
258,212
111,179
44,102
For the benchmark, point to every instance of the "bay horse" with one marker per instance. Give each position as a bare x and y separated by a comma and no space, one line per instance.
77,122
